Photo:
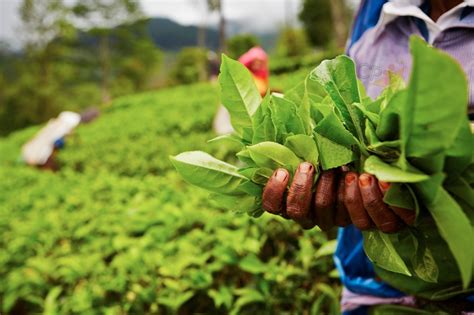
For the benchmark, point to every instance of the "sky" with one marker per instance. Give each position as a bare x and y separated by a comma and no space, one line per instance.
263,14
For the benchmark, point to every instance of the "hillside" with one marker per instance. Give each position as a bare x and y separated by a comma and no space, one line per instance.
172,36
116,231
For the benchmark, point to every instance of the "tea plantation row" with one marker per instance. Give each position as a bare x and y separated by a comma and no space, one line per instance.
116,231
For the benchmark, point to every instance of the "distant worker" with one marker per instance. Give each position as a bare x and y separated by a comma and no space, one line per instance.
256,60
41,150
213,64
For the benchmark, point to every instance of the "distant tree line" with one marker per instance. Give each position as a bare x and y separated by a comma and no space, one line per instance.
79,54
326,22
61,67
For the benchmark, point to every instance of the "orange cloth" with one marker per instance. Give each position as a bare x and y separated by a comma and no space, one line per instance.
262,85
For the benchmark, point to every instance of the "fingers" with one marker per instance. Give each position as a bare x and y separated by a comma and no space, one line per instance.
341,217
379,212
354,203
274,191
325,199
298,202
336,202
307,223
408,216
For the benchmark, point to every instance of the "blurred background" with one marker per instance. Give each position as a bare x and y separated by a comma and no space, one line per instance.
66,54
114,230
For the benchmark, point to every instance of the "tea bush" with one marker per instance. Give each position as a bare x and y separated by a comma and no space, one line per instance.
116,231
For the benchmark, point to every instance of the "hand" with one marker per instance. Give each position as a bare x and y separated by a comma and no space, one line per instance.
341,198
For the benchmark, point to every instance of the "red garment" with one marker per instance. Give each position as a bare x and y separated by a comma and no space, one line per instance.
250,56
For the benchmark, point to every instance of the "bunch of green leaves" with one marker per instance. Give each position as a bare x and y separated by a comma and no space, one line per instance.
415,136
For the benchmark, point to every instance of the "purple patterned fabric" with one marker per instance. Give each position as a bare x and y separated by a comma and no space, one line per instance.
351,301
378,52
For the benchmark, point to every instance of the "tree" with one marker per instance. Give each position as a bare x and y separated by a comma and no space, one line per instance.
42,21
217,5
2,94
59,69
190,67
4,51
292,42
325,21
240,44
43,24
101,16
29,78
339,21
135,57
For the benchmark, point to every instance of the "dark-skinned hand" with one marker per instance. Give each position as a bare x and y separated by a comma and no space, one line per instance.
340,198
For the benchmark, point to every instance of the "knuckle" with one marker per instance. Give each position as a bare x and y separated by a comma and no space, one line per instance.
362,224
408,216
353,200
294,212
390,227
327,181
268,192
323,203
273,185
269,206
373,203
298,188
350,200
273,190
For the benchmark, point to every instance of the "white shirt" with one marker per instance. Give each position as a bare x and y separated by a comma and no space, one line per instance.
38,150
395,8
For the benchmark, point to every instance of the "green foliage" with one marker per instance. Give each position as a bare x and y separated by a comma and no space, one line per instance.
380,248
292,43
135,58
325,21
317,21
116,231
240,96
43,21
331,107
200,167
64,69
240,44
107,13
33,79
281,64
190,66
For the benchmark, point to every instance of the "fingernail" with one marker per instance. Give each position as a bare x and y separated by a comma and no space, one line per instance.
384,185
281,175
350,178
365,180
306,167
